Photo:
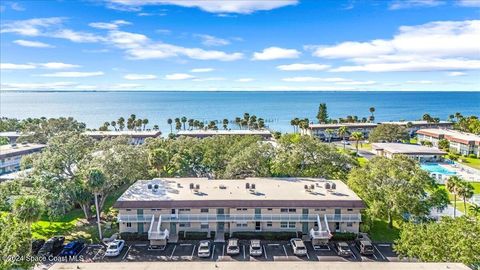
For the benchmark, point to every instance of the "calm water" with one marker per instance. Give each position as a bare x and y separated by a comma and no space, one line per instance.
278,108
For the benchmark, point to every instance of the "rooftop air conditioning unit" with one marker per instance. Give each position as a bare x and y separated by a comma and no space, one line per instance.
192,186
197,187
252,186
312,186
327,186
334,186
247,186
305,187
223,187
149,186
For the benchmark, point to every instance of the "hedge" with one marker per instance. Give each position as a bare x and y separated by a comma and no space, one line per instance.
346,236
264,235
192,235
129,236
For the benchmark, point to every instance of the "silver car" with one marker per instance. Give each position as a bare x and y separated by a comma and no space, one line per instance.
204,249
255,248
232,247
298,247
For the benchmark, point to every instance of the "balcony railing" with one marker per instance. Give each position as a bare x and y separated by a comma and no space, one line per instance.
242,218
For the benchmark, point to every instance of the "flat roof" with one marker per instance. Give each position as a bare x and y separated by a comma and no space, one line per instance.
404,148
233,265
129,133
417,122
223,132
233,193
10,150
372,125
451,134
10,134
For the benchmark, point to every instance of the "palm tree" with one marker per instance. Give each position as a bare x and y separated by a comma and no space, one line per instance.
452,185
121,123
184,120
261,123
139,123
114,125
238,121
106,125
475,209
342,131
357,137
156,127
144,122
372,110
294,123
225,123
190,123
96,181
133,117
246,116
169,121
329,132
466,192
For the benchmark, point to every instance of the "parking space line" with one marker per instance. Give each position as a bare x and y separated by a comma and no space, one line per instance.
244,253
375,256
213,252
84,247
383,245
185,244
379,252
308,257
96,254
265,251
355,256
123,258
140,245
171,255
285,250
223,251
193,251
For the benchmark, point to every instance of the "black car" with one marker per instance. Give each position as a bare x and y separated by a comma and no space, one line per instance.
37,245
52,246
72,248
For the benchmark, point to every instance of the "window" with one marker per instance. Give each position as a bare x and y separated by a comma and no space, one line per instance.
269,209
204,210
204,226
184,210
283,224
241,209
292,210
242,224
269,224
184,225
291,225
349,210
129,224
323,209
128,210
349,224
284,210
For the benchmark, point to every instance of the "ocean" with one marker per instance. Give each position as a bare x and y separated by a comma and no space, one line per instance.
277,108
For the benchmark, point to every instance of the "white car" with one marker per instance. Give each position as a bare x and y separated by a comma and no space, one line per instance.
232,247
204,249
298,247
255,248
115,248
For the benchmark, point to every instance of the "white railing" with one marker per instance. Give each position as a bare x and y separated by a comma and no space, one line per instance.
155,233
323,232
242,218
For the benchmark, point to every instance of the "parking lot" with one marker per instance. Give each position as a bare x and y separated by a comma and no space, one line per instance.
272,251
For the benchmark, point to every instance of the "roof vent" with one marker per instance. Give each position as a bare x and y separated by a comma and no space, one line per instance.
334,186
247,186
253,186
149,186
192,186
305,187
327,186
312,186
179,185
223,187
197,186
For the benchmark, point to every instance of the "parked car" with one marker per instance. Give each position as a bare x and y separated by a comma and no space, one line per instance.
232,247
255,248
72,248
343,249
52,246
345,142
298,247
364,244
37,245
204,249
115,248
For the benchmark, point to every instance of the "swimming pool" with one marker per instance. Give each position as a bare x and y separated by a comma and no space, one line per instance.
436,168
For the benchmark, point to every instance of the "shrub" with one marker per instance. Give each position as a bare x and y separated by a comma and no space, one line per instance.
472,156
192,235
264,235
346,236
128,236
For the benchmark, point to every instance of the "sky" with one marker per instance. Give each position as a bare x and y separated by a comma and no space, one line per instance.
231,45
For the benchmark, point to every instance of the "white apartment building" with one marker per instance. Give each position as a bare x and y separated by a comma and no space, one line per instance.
460,142
11,155
264,133
164,207
414,151
136,137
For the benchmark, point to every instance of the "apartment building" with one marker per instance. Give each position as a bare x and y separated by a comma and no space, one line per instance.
414,151
11,155
413,126
329,132
460,142
164,207
136,137
264,133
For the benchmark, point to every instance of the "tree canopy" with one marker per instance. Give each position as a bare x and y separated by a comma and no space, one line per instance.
388,133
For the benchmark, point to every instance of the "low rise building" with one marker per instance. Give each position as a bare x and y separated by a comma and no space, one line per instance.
328,132
459,142
11,155
12,136
413,126
136,137
264,133
164,207
417,152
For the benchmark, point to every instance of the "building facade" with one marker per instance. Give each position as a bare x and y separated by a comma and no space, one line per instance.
414,126
459,142
164,207
414,151
329,132
264,133
11,155
135,137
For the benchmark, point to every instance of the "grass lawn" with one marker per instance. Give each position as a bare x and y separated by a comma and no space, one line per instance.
471,162
74,225
381,233
363,146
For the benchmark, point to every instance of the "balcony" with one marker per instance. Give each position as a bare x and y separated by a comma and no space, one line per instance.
243,218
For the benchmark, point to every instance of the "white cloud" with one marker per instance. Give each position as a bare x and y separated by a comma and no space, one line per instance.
108,26
124,86
313,79
33,44
38,86
73,74
178,76
215,6
357,83
404,4
17,7
78,37
442,45
456,73
273,53
468,3
209,79
56,65
30,27
310,88
244,80
10,66
140,77
300,67
421,82
209,40
200,70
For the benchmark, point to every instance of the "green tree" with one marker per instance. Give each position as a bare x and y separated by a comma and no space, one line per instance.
342,131
183,120
372,116
40,130
253,161
121,123
453,185
388,133
225,124
322,114
27,208
448,240
329,133
396,186
443,144
357,137
15,241
96,182
145,123
169,121
465,191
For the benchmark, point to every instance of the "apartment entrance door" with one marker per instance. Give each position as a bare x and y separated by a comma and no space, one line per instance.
258,226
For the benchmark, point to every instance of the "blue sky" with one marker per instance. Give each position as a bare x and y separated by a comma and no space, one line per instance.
264,45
